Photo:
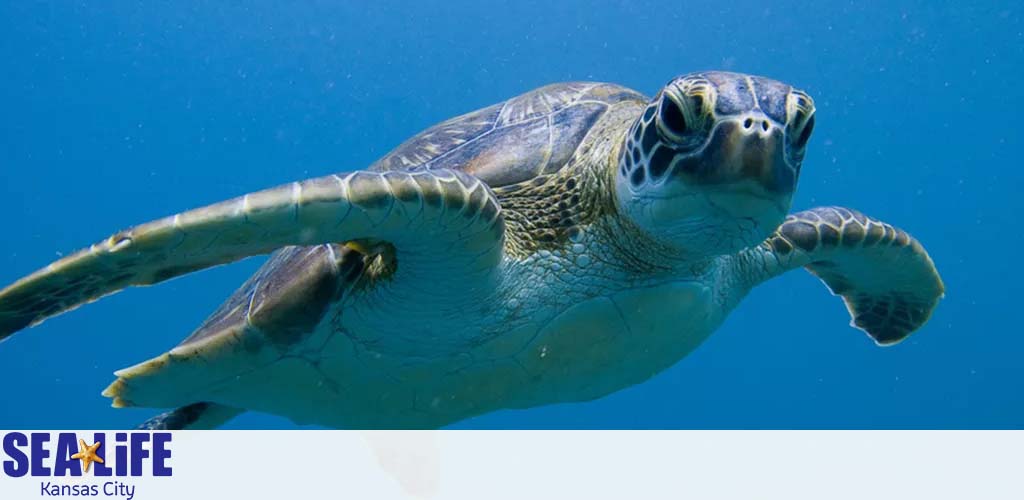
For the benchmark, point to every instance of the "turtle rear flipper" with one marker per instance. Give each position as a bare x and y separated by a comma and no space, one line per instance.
265,320
885,277
192,417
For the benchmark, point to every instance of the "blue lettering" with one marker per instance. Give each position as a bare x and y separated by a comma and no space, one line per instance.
161,453
18,465
28,454
121,453
101,470
39,453
67,445
138,452
115,488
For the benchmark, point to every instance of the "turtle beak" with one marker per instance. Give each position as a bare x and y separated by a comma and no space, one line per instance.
748,152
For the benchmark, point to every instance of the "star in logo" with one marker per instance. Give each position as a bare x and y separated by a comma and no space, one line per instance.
87,454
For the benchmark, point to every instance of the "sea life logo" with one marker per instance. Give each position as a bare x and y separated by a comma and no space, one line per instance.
53,456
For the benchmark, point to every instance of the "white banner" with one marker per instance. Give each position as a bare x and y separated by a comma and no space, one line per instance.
518,465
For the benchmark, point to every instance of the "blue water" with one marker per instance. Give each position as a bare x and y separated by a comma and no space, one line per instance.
115,113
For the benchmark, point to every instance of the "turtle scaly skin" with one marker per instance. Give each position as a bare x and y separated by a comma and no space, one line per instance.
558,246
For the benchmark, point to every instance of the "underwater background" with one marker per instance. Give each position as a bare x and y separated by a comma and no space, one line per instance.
116,113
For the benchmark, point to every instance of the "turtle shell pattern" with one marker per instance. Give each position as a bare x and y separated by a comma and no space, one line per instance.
534,134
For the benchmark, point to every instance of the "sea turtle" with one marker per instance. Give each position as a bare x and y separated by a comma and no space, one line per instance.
558,246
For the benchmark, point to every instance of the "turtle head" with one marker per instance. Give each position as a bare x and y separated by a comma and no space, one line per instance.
712,163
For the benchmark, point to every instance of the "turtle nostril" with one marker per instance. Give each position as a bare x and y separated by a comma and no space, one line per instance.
764,125
749,122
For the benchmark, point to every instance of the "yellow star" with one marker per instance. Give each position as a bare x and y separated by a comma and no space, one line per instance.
87,454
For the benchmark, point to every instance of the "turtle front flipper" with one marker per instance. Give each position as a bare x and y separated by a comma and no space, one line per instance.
886,278
419,215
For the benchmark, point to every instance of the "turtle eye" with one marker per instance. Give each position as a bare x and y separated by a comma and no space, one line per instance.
805,133
801,122
672,117
681,122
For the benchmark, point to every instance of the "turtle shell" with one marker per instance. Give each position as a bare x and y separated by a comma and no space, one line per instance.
286,297
529,135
